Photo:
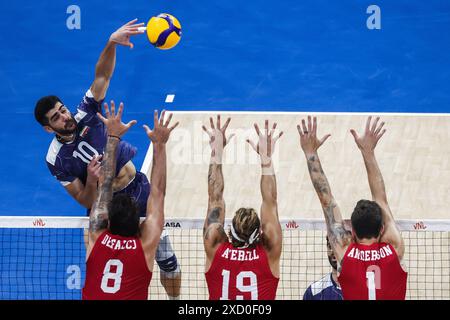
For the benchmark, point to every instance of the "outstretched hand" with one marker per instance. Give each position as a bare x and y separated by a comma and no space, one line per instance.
308,136
161,130
217,134
122,35
372,135
113,121
266,142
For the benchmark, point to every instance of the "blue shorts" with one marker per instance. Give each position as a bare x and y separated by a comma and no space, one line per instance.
139,190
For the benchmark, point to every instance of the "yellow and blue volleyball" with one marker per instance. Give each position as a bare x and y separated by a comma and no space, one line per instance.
164,31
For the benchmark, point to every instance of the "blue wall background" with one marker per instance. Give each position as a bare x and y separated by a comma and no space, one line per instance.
290,55
255,55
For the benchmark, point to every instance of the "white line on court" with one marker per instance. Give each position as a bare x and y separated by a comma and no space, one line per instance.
170,98
147,160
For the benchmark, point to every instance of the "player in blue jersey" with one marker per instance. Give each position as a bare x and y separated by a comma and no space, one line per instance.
328,287
75,153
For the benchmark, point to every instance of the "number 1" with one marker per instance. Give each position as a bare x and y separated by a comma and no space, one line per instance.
373,275
370,275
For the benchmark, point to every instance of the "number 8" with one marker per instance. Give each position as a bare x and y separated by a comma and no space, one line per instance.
116,276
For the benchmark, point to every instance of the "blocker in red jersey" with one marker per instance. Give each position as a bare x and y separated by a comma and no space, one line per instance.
369,256
245,265
121,252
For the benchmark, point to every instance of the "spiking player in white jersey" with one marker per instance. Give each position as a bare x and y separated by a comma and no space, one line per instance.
75,153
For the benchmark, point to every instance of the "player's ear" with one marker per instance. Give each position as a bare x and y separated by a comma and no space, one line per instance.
48,129
382,230
354,235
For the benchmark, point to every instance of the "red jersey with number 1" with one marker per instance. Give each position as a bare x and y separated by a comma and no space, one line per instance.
116,269
372,272
241,274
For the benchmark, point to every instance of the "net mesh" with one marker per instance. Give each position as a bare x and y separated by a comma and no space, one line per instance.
45,258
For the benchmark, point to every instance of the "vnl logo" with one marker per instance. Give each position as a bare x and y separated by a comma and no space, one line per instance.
292,225
420,226
38,223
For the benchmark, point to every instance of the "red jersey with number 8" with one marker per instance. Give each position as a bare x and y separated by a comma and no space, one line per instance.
372,272
241,274
116,269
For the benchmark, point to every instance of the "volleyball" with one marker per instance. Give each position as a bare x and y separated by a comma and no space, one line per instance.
164,31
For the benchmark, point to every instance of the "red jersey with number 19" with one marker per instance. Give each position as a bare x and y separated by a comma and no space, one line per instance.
372,272
116,269
241,274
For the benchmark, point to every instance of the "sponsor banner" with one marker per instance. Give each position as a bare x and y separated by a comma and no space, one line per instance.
197,223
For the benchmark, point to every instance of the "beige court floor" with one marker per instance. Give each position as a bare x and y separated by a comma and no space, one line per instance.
413,156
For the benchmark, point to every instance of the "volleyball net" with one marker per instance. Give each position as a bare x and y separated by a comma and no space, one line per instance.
44,258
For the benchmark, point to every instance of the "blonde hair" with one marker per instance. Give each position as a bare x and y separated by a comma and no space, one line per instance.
244,231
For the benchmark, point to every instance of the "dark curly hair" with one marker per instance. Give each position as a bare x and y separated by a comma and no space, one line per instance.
44,105
123,216
367,219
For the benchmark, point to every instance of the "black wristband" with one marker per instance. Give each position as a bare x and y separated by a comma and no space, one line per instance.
113,136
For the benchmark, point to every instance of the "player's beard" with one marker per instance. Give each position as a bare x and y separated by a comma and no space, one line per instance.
69,127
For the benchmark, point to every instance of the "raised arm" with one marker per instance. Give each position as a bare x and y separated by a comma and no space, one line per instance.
272,235
98,218
366,144
338,236
154,222
105,65
213,230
